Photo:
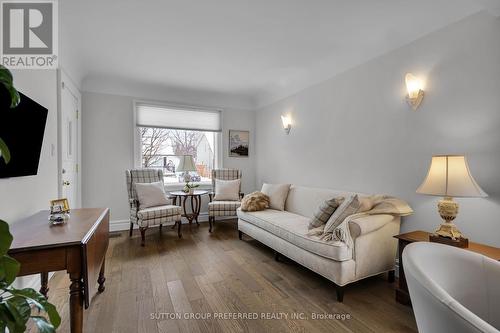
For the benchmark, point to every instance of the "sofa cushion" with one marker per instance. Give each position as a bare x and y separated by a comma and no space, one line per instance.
305,200
294,228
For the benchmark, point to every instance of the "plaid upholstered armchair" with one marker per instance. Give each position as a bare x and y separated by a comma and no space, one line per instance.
223,208
151,216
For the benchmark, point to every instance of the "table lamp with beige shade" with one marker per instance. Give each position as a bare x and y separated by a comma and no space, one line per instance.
187,165
449,176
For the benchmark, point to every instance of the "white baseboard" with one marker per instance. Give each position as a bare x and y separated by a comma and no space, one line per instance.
29,281
120,225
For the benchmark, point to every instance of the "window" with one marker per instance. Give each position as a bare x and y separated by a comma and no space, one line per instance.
164,132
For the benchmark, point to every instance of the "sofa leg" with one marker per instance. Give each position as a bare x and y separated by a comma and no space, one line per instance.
391,276
179,232
143,235
131,229
277,256
210,223
161,225
240,234
340,293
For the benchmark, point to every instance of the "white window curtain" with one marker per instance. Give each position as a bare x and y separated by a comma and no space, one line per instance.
149,115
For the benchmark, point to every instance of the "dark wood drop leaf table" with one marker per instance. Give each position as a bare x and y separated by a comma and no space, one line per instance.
79,246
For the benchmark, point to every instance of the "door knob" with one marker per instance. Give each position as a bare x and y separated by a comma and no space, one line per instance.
66,182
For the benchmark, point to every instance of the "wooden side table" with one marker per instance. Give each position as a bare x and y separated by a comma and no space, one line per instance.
402,294
195,203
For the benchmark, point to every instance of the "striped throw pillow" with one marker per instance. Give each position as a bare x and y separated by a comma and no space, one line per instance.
324,212
348,207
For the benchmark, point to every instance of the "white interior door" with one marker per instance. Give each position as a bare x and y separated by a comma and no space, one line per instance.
69,145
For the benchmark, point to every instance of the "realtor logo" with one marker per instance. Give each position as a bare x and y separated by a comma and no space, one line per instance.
29,34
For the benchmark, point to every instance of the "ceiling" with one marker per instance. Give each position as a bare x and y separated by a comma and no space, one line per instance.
261,50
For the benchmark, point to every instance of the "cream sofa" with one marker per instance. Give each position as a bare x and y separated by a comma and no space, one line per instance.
370,249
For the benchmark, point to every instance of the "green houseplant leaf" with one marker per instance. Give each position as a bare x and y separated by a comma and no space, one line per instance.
40,302
20,311
5,238
4,151
8,82
43,325
8,269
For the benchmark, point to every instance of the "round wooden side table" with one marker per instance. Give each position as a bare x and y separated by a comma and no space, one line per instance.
195,203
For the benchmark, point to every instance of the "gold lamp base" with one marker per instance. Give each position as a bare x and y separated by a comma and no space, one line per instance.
450,230
448,233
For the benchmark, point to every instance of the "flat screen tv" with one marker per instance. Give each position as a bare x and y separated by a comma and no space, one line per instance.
22,129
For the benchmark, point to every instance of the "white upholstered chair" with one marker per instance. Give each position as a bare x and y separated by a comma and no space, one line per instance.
452,289
151,216
222,208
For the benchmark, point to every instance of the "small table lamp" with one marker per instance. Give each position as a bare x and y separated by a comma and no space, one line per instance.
186,164
449,176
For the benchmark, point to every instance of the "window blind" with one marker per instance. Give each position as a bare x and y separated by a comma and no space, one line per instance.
178,118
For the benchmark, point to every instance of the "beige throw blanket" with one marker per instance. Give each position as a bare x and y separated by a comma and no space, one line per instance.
370,205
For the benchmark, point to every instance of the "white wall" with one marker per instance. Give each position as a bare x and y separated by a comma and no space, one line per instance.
356,132
107,149
23,196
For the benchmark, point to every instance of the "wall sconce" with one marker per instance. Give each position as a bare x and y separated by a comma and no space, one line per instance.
287,123
415,93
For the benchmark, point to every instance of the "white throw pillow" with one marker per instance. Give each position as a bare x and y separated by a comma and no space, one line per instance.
151,194
277,194
227,190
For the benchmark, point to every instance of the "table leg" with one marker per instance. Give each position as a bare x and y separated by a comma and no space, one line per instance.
402,293
188,216
101,278
44,282
195,209
174,202
198,207
76,303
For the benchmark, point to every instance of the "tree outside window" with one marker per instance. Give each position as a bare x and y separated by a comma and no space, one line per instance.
160,147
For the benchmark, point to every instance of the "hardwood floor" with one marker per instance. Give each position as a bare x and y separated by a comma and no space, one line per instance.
218,275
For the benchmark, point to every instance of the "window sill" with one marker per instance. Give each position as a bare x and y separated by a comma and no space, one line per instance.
180,186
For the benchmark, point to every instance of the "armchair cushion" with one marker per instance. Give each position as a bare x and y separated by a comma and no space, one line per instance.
227,190
151,194
159,212
223,208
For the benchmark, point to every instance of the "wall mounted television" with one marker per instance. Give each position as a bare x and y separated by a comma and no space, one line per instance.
22,129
